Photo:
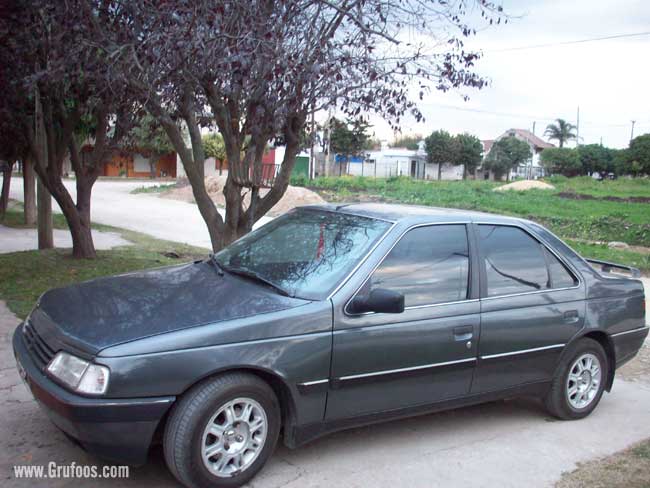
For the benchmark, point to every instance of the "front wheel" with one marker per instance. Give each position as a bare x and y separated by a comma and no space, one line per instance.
579,382
222,431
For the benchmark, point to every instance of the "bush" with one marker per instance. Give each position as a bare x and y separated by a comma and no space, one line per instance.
561,160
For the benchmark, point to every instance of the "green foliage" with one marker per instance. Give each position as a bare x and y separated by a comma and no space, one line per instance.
153,189
506,154
440,147
349,138
469,152
561,160
150,138
408,141
638,155
372,144
562,131
214,147
594,157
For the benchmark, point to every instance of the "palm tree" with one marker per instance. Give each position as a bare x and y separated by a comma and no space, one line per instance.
562,131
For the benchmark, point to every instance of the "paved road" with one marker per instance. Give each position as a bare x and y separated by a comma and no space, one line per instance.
12,239
113,204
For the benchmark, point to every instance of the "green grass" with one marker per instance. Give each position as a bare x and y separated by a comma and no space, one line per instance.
595,220
153,188
604,253
622,188
24,276
590,220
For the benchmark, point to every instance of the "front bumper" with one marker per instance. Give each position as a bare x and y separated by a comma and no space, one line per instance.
117,429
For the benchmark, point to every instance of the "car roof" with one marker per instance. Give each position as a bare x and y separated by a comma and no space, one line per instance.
412,214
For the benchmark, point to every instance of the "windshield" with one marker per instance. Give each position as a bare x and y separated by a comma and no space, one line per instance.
305,252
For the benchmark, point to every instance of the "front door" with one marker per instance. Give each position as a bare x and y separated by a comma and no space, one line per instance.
532,304
425,354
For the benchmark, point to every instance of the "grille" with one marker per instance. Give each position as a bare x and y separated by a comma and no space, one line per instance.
40,352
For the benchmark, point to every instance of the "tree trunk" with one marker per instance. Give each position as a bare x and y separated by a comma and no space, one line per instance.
45,232
29,191
464,172
6,183
439,171
82,239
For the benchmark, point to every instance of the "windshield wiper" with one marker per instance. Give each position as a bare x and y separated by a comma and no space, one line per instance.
215,262
258,277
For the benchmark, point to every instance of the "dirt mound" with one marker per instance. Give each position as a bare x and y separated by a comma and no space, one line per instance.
525,185
294,197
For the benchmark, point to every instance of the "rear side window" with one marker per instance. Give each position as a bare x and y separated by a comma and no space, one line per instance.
560,276
517,263
428,265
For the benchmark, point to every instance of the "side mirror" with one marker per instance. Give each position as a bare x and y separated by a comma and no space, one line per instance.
380,300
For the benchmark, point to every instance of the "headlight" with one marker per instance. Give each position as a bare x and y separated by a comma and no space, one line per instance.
79,374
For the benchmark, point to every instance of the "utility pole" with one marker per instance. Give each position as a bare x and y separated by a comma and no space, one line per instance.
328,146
632,133
534,122
43,197
312,162
578,128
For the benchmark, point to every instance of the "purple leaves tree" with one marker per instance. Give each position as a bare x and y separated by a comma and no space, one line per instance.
257,69
54,72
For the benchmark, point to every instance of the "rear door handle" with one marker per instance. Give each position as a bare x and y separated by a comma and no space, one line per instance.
571,316
463,333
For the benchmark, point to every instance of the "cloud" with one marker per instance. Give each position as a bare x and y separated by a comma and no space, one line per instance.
608,79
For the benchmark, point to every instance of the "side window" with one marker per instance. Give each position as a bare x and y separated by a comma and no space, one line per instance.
428,265
560,276
517,263
514,261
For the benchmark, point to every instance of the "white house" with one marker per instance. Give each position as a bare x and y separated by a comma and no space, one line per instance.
399,161
532,169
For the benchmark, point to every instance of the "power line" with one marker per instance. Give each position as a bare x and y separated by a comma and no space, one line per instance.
565,43
521,116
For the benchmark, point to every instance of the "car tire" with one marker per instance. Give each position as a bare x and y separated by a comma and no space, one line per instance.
573,394
221,404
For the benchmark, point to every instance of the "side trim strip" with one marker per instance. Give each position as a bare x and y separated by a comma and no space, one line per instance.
522,351
312,383
633,331
404,370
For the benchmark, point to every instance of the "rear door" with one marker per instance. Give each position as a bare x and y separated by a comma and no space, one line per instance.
532,304
425,354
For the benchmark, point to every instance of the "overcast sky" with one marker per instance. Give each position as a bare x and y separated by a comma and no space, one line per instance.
609,80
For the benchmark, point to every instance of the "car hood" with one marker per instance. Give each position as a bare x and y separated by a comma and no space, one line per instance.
90,316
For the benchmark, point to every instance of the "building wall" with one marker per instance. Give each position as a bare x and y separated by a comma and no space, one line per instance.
134,165
449,172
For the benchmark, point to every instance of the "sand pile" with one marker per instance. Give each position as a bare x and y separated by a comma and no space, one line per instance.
294,196
523,185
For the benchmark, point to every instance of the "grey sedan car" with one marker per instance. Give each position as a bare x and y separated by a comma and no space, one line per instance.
326,318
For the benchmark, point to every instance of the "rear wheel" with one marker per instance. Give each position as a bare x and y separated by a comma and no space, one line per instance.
579,382
222,431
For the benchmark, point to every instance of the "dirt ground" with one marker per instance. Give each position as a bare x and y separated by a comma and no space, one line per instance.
639,368
525,185
294,196
626,469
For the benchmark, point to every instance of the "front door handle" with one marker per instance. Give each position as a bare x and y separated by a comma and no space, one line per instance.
463,333
571,316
